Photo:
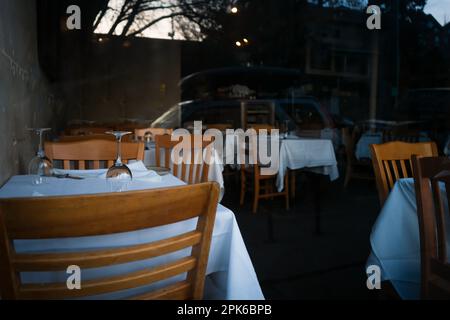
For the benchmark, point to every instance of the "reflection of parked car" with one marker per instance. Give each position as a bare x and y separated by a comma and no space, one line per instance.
305,115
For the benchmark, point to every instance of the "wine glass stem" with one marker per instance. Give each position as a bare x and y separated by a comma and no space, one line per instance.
119,153
40,149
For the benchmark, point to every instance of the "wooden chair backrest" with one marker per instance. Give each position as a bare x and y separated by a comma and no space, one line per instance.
258,127
139,134
392,161
84,131
401,134
58,217
262,112
193,168
220,126
97,136
92,150
432,180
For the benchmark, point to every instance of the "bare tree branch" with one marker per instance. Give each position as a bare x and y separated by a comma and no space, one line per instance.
137,14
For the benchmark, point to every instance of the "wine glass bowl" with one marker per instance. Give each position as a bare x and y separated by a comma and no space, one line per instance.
121,172
40,166
119,175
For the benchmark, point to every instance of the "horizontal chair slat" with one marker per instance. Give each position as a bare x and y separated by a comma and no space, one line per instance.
179,291
91,150
99,258
41,218
106,285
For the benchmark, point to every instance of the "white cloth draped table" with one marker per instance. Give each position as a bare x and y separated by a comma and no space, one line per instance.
315,155
362,149
230,273
395,240
447,146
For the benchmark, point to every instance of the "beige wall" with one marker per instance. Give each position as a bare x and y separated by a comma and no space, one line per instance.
26,98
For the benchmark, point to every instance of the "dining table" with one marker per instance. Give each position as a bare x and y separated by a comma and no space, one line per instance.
309,154
230,273
447,146
395,241
362,149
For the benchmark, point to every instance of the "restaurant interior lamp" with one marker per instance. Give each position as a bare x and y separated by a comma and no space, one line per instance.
245,40
234,10
238,44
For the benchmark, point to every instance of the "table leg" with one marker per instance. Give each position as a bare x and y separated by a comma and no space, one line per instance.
318,190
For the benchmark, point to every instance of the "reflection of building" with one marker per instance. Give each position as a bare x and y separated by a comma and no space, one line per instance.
328,52
339,57
336,46
367,69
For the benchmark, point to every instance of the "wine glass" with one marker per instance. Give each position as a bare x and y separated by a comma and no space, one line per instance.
284,129
40,166
119,175
148,138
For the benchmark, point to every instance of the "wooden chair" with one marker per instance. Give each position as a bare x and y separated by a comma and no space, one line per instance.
129,126
401,134
257,112
58,217
90,137
265,183
220,126
262,126
198,169
84,131
97,151
429,173
392,161
139,134
355,169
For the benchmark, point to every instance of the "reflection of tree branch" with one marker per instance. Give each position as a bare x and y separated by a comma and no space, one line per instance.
121,17
131,17
133,14
101,15
148,25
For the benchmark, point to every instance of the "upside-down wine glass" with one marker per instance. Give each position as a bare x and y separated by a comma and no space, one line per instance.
40,166
119,175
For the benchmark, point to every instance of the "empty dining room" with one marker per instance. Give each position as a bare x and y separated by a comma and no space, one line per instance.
232,153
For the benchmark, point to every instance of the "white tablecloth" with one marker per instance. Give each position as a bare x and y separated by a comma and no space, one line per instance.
316,155
447,146
230,271
363,146
395,241
215,169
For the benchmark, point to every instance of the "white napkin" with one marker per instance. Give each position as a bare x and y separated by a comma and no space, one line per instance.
139,172
137,168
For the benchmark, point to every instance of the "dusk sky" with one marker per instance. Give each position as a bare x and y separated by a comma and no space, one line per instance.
440,9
